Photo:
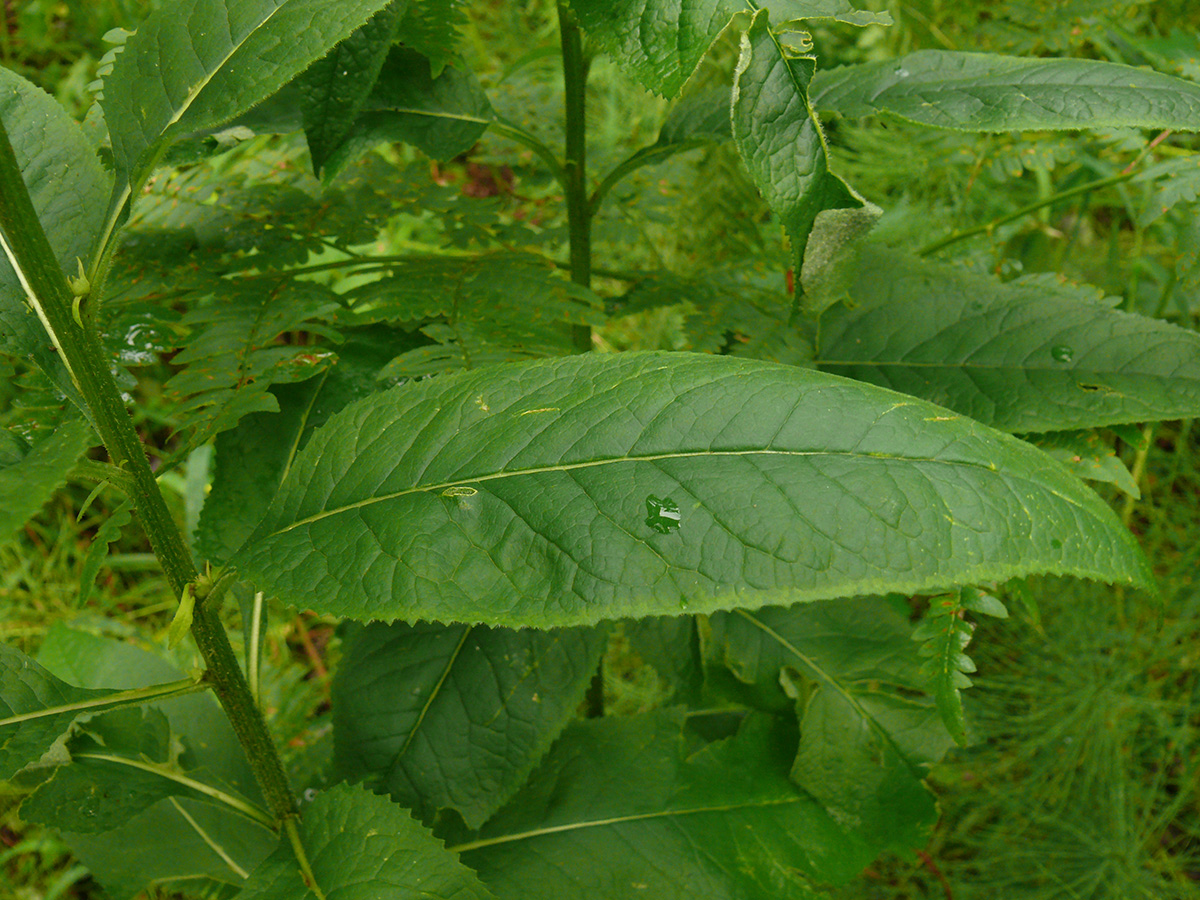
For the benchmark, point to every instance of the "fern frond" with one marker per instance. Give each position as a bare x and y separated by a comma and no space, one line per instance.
944,634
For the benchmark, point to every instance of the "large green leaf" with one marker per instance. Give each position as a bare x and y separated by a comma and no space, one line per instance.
660,42
363,847
567,491
778,135
69,189
179,844
66,181
1027,356
194,64
442,116
36,709
867,736
988,92
335,87
31,477
619,809
456,716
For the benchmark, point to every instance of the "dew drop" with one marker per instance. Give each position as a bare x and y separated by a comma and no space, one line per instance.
901,73
662,514
1062,353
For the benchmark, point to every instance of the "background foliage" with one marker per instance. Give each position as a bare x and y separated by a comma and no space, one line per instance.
1082,779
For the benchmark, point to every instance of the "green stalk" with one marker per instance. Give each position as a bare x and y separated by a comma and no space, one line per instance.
991,226
579,207
79,346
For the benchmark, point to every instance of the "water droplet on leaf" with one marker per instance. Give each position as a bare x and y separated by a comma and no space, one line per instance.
662,514
1062,353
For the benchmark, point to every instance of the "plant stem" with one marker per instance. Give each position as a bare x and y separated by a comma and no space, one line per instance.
46,288
991,226
579,207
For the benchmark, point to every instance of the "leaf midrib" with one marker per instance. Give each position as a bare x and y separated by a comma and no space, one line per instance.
967,364
570,467
433,695
619,820
209,76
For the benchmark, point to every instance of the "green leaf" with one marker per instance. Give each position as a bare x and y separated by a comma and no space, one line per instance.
867,739
253,457
69,188
660,43
181,839
485,309
117,771
181,624
66,181
441,116
28,482
1089,457
670,645
455,717
36,709
13,447
945,636
197,63
97,660
1180,184
519,496
179,844
620,809
989,92
363,847
431,27
334,88
1026,356
778,135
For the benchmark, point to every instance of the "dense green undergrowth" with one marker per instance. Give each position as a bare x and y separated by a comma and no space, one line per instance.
980,254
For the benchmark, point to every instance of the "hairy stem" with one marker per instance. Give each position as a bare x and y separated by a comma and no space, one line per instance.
50,296
579,207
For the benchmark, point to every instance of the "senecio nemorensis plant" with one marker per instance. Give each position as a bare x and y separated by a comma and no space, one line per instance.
793,522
